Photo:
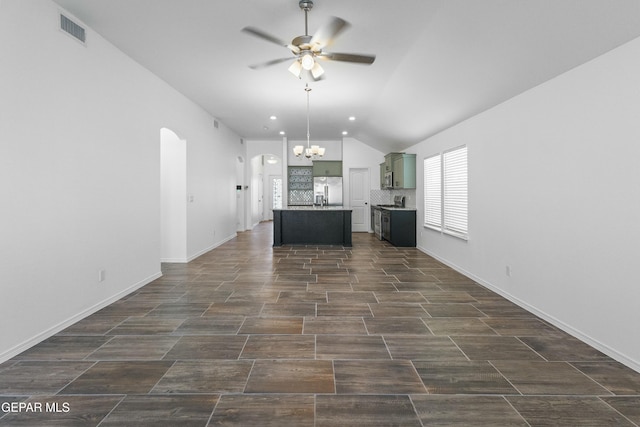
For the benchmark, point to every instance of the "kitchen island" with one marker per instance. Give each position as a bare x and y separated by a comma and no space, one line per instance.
312,225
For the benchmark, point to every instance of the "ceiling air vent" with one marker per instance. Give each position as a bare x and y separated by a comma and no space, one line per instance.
73,29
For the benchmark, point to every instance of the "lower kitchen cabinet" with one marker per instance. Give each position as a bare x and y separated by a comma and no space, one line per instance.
399,227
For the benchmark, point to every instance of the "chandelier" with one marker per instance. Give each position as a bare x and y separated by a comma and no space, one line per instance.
312,151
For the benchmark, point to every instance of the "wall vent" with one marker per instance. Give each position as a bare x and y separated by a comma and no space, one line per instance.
73,29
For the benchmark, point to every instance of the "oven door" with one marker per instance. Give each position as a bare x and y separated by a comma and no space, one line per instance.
385,225
377,223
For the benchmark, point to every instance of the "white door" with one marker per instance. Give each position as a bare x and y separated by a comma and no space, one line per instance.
359,199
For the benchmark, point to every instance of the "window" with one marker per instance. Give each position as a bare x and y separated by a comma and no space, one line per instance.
445,192
433,191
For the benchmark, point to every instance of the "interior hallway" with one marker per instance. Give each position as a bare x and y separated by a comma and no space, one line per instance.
250,335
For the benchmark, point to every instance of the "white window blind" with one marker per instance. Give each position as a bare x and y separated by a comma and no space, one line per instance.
433,191
455,190
445,192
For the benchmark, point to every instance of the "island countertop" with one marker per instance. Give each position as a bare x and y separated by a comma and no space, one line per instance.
314,208
312,225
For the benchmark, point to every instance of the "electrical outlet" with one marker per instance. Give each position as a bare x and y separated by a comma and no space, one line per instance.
101,275
508,271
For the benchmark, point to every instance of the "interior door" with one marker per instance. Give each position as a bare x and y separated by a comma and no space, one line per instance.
359,199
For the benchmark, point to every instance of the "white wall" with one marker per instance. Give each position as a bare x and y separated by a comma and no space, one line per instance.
240,199
554,193
211,183
80,173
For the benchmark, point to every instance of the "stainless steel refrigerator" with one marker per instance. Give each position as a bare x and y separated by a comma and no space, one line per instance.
327,190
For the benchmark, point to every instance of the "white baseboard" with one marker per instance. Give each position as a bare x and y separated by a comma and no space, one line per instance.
174,260
210,248
199,253
604,348
25,345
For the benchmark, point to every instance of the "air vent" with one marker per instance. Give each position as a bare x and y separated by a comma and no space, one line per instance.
73,29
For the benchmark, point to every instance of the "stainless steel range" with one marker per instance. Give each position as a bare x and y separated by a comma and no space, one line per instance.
380,219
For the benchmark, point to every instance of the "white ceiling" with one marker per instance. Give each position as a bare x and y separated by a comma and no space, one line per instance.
438,62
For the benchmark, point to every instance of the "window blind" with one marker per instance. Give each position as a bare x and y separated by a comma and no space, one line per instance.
455,191
433,191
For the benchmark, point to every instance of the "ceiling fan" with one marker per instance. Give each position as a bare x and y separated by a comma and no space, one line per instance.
308,49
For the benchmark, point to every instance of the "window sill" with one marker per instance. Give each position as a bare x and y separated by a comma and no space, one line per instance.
460,236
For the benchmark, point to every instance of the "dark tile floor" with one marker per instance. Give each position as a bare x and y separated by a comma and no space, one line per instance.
250,335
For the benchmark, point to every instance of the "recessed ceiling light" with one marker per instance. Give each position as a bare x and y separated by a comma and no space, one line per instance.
352,118
272,117
344,132
282,132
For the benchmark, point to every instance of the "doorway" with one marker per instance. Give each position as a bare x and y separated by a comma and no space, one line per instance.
265,189
359,184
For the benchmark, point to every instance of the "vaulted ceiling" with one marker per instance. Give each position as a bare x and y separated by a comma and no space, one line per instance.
438,62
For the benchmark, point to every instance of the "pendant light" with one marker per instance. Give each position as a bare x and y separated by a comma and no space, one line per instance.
312,151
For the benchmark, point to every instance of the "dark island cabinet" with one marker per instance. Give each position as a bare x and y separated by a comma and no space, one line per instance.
312,226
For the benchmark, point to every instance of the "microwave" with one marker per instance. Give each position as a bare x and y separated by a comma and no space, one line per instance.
388,180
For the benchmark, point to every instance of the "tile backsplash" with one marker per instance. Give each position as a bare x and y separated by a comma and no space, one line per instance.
385,197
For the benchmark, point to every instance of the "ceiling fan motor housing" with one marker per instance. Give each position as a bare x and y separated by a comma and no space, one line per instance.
302,42
305,5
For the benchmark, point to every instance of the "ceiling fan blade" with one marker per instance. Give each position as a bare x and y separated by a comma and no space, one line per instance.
269,63
348,57
264,36
329,31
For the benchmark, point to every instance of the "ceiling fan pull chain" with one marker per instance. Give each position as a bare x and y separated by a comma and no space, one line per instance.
307,89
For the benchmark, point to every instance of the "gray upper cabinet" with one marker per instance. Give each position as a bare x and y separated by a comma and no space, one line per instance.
388,162
403,167
327,168
404,171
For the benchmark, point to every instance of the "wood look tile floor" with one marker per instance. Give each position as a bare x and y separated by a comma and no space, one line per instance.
373,335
